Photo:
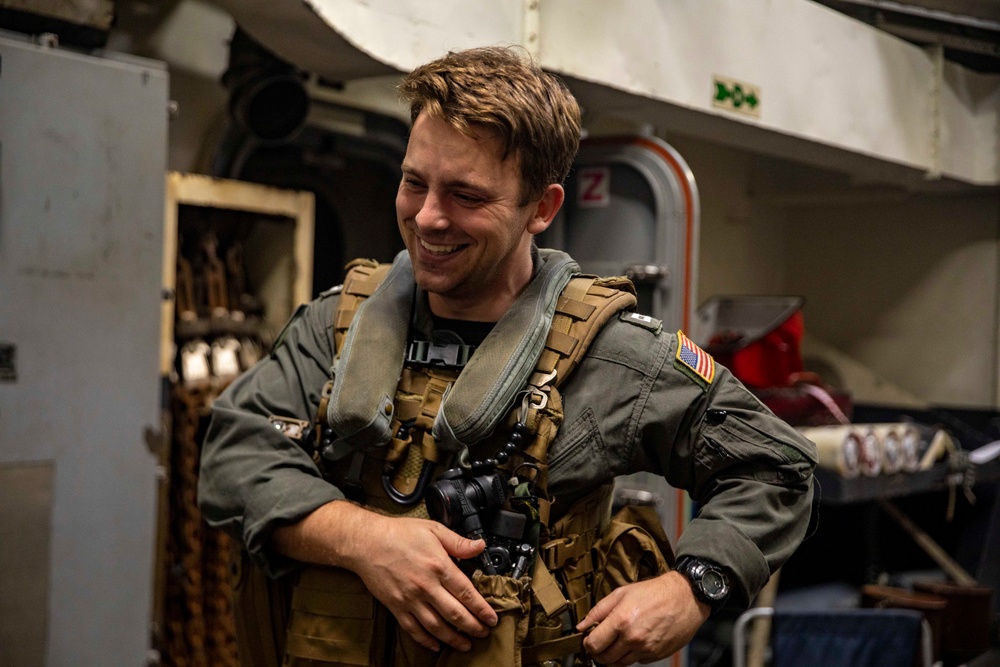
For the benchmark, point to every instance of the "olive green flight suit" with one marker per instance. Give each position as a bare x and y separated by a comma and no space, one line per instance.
636,402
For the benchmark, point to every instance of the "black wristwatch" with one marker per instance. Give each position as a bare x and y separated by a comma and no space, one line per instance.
709,583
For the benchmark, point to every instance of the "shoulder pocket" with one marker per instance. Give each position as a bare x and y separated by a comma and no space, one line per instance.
735,443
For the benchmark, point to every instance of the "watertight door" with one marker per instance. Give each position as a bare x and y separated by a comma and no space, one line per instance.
632,209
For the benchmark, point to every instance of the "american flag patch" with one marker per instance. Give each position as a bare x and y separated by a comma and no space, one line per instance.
693,358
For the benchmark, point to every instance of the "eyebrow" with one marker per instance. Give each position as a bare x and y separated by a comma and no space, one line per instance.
453,183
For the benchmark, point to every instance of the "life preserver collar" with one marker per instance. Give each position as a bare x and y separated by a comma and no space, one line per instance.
368,367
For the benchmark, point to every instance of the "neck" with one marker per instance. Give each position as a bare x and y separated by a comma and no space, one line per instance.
472,308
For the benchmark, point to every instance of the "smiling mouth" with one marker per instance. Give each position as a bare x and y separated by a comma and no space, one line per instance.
438,249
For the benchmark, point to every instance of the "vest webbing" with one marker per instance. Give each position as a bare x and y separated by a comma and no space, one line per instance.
362,279
583,308
585,305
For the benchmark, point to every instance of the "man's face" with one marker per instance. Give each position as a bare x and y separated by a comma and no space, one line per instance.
459,215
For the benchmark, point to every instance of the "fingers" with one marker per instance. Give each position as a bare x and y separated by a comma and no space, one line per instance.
600,640
599,612
445,620
444,606
643,621
435,614
613,649
606,646
473,614
433,600
428,630
416,630
463,608
455,544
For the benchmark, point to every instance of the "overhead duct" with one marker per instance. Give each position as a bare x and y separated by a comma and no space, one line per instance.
968,30
828,90
267,96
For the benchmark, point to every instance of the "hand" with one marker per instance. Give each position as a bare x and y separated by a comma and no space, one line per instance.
407,565
644,621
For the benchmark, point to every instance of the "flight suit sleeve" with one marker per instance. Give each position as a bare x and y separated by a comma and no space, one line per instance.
749,471
253,478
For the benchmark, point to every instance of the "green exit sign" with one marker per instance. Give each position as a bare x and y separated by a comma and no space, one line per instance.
734,95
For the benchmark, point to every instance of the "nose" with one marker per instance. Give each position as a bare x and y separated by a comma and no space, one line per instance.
431,214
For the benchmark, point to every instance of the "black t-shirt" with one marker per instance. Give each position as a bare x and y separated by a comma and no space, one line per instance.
463,332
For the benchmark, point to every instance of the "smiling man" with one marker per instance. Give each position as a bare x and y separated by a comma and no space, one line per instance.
472,404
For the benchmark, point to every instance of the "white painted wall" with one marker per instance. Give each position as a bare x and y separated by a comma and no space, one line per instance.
742,244
829,84
905,283
909,289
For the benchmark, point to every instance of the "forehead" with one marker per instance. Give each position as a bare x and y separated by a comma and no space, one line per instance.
437,145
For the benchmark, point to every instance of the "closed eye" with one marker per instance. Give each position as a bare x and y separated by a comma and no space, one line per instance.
466,199
413,183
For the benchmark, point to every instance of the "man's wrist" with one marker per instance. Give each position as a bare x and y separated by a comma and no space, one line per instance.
703,609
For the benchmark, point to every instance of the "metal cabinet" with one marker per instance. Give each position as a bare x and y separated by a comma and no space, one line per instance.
83,146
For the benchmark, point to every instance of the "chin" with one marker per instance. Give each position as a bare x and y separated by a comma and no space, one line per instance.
432,283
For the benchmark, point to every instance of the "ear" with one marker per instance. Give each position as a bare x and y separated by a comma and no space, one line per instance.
546,209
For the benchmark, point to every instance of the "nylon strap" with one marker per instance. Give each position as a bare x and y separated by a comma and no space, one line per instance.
545,588
582,309
362,279
552,649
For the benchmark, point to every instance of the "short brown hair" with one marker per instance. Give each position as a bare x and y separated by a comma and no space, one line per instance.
532,112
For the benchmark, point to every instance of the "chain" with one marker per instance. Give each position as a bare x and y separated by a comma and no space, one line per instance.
198,622
199,625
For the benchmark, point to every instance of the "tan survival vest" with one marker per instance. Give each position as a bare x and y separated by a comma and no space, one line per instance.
581,557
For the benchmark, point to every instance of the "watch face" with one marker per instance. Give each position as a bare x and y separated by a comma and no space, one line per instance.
713,584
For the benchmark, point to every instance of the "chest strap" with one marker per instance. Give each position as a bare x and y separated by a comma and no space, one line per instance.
584,306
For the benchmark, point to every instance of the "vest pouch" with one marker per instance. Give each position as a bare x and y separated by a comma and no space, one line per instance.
260,613
510,598
334,621
633,548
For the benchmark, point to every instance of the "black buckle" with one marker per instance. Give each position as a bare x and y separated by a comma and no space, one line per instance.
450,355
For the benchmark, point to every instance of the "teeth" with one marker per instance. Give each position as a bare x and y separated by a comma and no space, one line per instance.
442,249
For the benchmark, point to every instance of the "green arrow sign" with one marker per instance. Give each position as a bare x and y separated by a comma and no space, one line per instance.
736,96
